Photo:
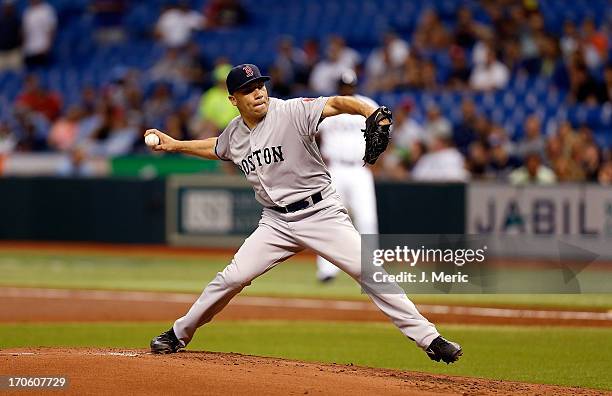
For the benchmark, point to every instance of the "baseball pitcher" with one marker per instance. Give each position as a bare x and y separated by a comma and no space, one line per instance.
272,141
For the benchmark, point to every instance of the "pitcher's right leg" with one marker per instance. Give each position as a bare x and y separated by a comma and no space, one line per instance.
266,247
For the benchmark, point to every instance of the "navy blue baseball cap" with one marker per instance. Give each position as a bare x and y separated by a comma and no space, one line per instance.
242,75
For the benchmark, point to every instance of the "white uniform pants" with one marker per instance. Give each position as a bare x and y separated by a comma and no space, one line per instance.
326,229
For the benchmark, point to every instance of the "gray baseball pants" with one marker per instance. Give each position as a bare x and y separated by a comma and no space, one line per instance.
326,229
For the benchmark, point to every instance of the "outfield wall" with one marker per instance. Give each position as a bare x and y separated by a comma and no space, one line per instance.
99,210
220,211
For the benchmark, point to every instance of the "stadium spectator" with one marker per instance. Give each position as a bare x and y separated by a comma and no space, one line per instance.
88,98
91,119
530,34
533,172
554,148
385,63
290,65
489,75
121,136
478,160
430,35
565,170
605,174
10,38
607,81
214,110
506,18
584,88
466,29
406,146
225,13
65,130
459,73
176,126
567,137
176,24
279,88
327,72
410,76
405,130
570,40
436,123
194,68
481,49
76,164
158,106
313,56
37,99
39,26
108,18
565,167
124,94
8,141
591,162
173,67
550,63
100,126
31,130
501,163
585,134
464,132
429,76
533,141
442,162
511,56
347,56
594,45
116,91
397,164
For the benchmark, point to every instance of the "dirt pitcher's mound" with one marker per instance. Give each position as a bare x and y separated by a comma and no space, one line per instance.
97,371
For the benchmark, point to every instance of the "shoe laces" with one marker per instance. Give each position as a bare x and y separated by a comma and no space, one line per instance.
168,336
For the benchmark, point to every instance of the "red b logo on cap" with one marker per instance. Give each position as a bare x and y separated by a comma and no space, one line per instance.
248,70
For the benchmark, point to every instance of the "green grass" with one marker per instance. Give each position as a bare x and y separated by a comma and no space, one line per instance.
552,355
294,278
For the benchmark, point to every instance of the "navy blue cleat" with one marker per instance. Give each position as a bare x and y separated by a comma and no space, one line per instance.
165,343
441,349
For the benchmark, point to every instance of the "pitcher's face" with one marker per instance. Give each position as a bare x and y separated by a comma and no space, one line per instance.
252,100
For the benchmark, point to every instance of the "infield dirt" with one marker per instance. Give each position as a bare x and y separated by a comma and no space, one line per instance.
108,371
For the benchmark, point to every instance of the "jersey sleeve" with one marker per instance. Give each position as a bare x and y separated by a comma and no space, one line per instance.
222,147
307,113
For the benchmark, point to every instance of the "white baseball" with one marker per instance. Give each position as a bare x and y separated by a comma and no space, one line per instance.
151,140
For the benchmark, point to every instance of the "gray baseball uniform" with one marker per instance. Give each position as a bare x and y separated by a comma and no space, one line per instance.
280,158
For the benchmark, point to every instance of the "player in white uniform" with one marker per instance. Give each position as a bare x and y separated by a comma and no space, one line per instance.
273,144
343,146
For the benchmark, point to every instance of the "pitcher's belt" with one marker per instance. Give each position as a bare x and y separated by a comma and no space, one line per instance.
299,205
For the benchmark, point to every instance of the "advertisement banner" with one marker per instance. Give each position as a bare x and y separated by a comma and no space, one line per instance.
542,216
215,211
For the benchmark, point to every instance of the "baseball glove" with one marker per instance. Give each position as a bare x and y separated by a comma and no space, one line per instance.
377,136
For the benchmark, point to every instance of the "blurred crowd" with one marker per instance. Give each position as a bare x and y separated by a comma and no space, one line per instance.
475,148
467,55
108,121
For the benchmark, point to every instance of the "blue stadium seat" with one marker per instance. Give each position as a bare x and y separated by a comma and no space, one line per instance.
80,61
